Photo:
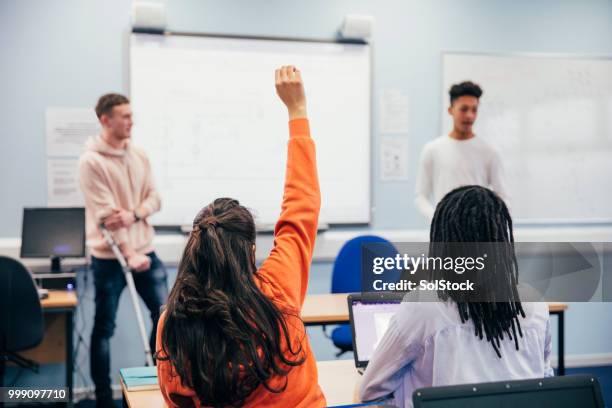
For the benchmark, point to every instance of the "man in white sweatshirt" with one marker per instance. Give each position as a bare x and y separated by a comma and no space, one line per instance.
117,184
459,158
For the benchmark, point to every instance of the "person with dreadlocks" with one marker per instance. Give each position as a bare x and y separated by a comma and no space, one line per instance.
452,337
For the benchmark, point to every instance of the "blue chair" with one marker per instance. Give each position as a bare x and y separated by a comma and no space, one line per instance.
346,278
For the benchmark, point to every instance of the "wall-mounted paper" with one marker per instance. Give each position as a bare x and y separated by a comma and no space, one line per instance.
68,129
63,182
393,158
393,111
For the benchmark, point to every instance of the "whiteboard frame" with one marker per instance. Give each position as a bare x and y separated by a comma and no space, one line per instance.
534,221
267,228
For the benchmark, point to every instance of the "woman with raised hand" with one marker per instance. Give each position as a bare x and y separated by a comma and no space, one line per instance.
231,334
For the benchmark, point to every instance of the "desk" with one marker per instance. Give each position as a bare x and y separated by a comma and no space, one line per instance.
332,308
56,347
337,379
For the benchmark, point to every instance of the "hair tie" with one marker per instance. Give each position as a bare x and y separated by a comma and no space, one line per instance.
210,221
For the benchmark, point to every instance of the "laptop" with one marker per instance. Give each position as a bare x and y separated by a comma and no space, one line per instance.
370,314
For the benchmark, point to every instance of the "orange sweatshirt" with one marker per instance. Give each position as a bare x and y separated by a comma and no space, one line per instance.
283,277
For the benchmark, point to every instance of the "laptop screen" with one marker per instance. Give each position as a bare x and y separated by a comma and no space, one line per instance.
370,321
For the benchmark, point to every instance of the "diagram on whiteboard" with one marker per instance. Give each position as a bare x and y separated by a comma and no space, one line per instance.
551,120
206,112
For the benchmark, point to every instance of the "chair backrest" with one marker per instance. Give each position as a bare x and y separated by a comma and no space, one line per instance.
565,391
346,274
21,319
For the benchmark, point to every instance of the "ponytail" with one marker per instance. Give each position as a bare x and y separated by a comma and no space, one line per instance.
222,335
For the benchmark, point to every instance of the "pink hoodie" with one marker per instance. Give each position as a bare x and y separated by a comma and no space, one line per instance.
117,179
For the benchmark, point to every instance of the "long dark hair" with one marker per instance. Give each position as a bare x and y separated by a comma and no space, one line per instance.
223,336
475,214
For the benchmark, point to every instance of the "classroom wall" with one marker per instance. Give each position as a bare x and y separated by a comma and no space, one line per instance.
68,52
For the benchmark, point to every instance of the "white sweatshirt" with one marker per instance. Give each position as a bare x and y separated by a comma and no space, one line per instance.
448,163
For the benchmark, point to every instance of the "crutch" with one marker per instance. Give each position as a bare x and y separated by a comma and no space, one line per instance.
132,288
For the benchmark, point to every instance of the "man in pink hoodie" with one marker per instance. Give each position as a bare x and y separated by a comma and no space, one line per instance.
119,192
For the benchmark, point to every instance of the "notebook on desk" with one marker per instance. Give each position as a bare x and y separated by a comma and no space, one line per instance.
139,378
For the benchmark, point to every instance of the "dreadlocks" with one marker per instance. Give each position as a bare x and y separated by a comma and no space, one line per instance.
474,214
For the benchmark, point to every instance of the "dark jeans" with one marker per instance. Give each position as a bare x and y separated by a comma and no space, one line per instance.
109,281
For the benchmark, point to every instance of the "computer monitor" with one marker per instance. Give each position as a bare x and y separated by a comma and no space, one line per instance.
53,233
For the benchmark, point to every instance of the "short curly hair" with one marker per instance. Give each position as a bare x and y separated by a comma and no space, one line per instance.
466,88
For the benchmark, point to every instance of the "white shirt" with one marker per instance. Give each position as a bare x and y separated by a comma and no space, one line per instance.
427,345
448,163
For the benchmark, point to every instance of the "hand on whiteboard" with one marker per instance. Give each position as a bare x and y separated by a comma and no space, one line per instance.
139,262
290,89
119,219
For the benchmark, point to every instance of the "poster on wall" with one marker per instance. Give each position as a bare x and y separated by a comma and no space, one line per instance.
394,112
394,158
67,130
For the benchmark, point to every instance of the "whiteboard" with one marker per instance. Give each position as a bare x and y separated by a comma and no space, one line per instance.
206,111
551,120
